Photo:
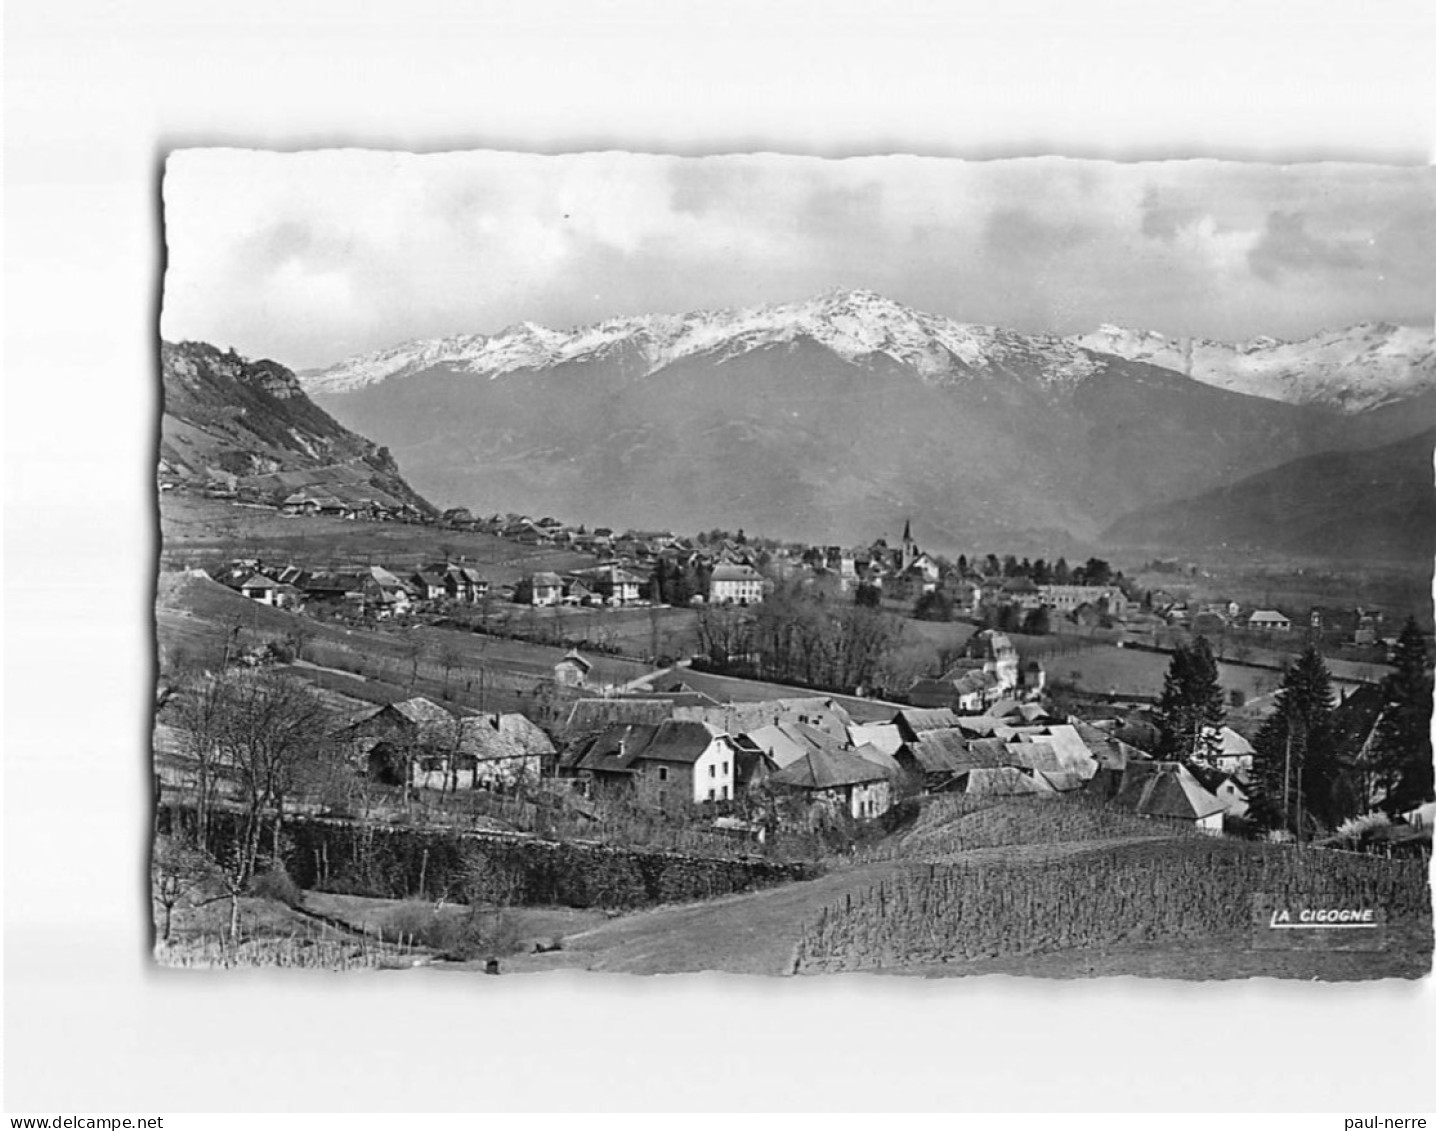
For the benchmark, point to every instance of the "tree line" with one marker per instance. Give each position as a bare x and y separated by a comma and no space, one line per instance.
799,635
1310,773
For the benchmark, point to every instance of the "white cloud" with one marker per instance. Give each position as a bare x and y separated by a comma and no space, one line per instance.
308,256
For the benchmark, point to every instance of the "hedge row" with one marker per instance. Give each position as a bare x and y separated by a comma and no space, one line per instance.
398,862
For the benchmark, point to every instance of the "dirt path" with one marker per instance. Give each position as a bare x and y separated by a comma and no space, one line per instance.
305,665
755,933
741,934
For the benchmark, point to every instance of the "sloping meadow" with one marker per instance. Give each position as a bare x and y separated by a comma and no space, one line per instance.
1178,892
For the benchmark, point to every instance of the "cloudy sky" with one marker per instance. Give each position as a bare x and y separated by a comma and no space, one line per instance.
311,257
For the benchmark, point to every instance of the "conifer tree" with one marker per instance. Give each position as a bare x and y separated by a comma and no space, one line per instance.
1403,737
1295,768
1192,699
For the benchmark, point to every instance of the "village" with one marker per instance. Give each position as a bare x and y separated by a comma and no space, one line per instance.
644,568
983,724
702,752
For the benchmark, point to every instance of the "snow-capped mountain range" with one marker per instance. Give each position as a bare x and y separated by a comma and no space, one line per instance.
852,324
1354,369
1358,368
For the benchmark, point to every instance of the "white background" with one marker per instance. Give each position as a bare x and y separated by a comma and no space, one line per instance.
97,91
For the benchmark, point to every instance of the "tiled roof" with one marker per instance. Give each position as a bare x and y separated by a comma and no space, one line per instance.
829,769
618,748
879,757
1070,748
1107,749
914,721
524,733
1165,789
739,718
1035,756
1003,781
786,742
939,752
679,741
885,736
984,725
1063,781
484,737
613,751
989,753
590,715
735,573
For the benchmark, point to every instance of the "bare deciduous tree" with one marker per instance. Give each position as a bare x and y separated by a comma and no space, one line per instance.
178,873
272,735
450,659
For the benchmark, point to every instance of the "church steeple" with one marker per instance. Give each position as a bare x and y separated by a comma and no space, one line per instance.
909,548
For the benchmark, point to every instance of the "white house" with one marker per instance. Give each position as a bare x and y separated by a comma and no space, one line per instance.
1231,793
1268,620
840,779
545,589
572,670
1226,750
669,764
260,588
735,585
616,585
1169,791
1066,598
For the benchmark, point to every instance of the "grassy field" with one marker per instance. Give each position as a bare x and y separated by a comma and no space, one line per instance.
323,930
1296,588
200,531
635,632
1028,888
731,688
197,618
1106,669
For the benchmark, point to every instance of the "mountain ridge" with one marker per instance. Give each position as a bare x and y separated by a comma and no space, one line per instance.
251,418
794,441
1352,370
1356,368
1372,503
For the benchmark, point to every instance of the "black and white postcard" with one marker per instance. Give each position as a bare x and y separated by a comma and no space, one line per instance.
788,566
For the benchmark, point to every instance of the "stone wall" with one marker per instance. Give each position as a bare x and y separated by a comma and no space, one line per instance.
403,862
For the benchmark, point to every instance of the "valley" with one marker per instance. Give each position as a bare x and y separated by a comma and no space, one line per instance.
907,737
820,420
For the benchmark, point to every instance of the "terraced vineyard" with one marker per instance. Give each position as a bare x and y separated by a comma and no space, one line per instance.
1171,891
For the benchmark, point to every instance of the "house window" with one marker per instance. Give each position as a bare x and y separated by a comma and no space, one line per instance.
712,771
711,794
725,793
662,773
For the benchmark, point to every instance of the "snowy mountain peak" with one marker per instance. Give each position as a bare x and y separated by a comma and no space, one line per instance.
1353,369
855,324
